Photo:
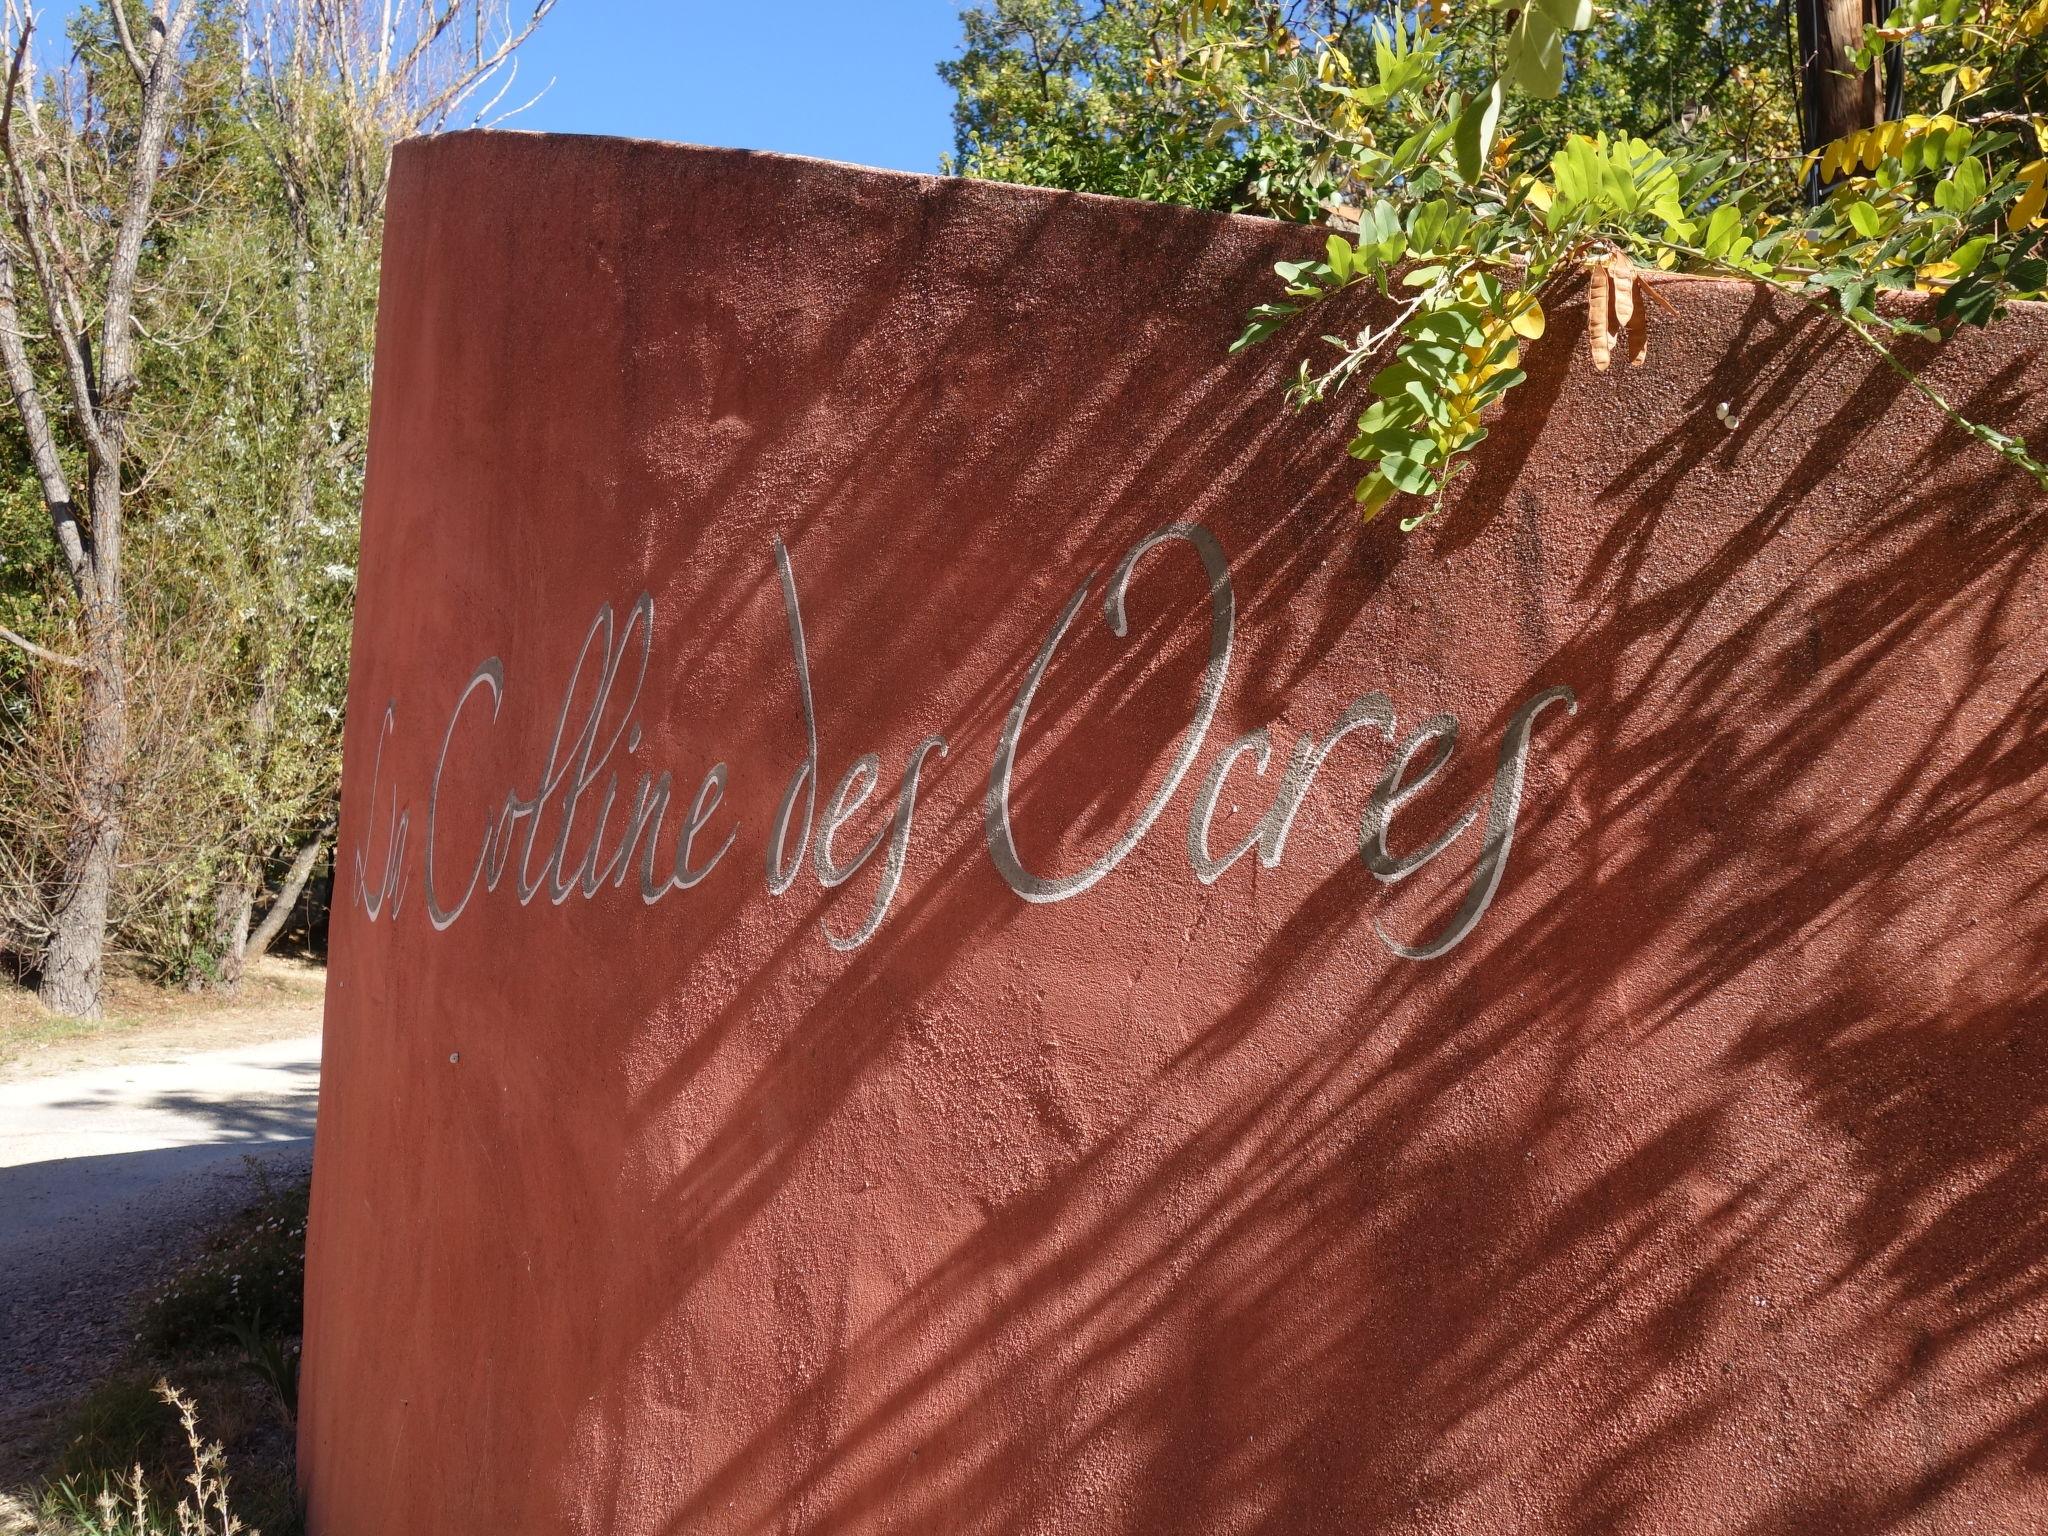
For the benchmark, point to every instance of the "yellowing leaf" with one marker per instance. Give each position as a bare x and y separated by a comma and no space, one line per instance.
1528,320
2028,209
1373,493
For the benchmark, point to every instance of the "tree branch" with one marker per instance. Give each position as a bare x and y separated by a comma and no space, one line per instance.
287,895
116,333
57,295
41,652
135,60
42,442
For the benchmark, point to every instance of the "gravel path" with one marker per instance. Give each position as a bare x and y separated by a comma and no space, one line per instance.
108,1176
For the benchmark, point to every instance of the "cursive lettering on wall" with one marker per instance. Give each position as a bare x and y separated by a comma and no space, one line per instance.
593,818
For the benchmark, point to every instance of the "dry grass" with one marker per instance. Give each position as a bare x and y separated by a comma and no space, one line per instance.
233,1354
278,998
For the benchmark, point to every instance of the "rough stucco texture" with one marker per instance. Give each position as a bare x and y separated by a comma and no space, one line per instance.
1699,1190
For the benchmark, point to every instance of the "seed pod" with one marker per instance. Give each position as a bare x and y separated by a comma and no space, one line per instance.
1599,339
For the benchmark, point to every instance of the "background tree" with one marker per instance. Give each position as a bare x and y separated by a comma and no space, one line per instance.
1094,95
243,457
1068,94
64,171
1473,157
330,88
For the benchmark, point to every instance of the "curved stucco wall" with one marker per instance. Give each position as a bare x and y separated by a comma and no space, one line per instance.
1697,1189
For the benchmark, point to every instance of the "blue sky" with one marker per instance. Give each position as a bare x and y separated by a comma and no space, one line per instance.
843,79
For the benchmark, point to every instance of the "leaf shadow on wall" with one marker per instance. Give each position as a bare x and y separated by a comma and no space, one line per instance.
1694,1192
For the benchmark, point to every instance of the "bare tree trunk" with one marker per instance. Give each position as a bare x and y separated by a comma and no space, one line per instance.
287,895
74,964
234,904
1838,98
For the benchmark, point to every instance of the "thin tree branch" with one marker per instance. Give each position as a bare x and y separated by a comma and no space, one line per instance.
116,336
429,33
14,70
57,293
287,895
42,442
135,60
42,652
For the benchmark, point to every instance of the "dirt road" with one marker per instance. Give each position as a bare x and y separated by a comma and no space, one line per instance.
109,1173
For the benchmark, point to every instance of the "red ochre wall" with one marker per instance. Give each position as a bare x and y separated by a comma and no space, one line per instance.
1699,1190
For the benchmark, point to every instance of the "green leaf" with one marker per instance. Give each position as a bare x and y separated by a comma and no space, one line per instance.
1391,380
1454,322
1970,182
1407,474
1500,383
1266,319
1341,252
1386,62
1969,253
1474,131
1535,56
1972,301
1373,493
1429,394
1426,223
1721,228
1568,171
1570,15
2028,277
1434,360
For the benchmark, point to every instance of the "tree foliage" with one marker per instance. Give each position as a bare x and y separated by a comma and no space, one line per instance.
1472,158
1056,93
244,468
